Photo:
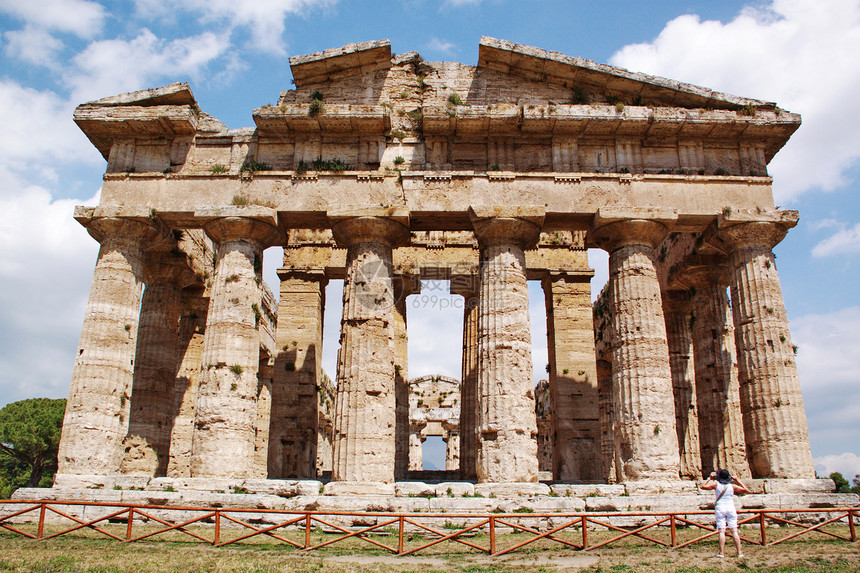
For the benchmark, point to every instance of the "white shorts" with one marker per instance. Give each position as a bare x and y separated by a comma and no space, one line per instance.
727,517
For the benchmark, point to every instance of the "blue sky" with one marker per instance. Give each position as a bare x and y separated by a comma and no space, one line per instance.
55,54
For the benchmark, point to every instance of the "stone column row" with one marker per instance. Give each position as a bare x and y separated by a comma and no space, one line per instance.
136,398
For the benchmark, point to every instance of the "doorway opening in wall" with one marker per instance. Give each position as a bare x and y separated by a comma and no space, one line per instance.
433,454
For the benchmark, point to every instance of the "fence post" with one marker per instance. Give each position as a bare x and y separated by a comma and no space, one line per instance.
762,529
217,538
492,535
307,530
584,532
41,531
400,535
129,524
672,527
852,532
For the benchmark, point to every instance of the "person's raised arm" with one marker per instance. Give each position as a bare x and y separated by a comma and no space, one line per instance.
710,483
739,486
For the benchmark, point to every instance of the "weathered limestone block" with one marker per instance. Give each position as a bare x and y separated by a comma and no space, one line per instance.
96,418
298,355
467,287
414,489
336,488
678,312
223,444
156,363
572,376
366,403
507,444
717,391
586,490
774,419
454,488
512,489
643,403
263,419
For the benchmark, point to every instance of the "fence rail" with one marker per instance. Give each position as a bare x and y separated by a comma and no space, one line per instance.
301,524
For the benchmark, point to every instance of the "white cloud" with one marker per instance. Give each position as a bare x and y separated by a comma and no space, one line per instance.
828,354
38,130
45,270
846,241
264,18
459,3
847,464
110,67
34,46
80,17
792,52
441,46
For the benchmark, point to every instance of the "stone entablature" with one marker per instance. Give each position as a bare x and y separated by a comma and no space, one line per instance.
382,170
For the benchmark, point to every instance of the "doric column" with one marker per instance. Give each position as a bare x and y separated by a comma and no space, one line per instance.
296,376
416,439
452,444
644,406
507,430
192,328
96,418
721,433
404,285
366,403
677,309
771,404
467,287
572,376
225,421
156,363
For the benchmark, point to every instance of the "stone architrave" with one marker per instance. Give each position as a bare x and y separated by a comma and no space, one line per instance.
573,376
467,287
404,286
507,429
298,357
721,433
643,404
96,418
775,425
225,422
147,444
677,309
364,427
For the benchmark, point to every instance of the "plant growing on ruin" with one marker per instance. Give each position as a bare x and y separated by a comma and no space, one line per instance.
316,106
237,369
579,96
619,106
218,168
252,166
454,99
399,160
397,134
748,109
656,429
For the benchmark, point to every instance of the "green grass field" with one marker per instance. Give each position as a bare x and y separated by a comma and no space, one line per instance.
87,552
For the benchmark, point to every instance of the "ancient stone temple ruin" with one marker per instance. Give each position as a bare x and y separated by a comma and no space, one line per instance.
384,170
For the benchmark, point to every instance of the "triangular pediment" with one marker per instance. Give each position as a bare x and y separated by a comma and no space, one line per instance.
607,82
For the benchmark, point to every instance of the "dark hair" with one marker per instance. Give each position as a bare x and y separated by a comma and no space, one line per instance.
723,476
